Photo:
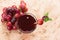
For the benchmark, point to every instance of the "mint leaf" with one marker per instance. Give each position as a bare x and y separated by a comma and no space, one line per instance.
46,14
46,19
50,19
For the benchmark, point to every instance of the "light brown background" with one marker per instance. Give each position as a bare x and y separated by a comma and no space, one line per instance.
48,31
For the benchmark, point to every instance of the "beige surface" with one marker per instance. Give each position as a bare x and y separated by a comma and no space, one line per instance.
48,31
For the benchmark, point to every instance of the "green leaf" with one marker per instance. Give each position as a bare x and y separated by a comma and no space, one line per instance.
46,19
46,14
50,19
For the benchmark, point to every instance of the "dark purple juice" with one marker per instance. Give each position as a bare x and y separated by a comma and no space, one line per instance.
26,23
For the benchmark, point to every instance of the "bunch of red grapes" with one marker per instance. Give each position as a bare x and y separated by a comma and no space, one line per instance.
11,15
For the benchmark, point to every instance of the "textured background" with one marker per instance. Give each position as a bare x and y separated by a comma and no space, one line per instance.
48,31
